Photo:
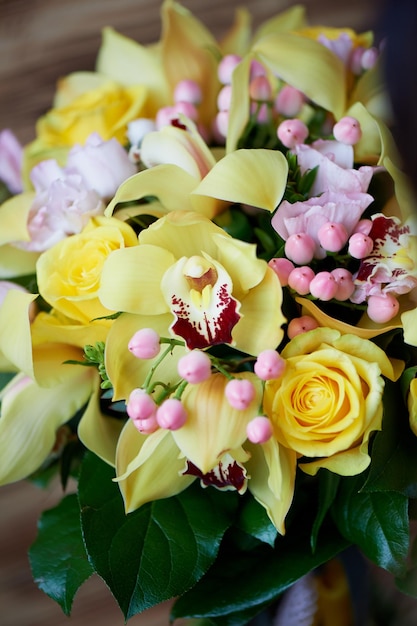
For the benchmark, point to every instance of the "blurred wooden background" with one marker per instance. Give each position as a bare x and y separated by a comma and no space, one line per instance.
40,41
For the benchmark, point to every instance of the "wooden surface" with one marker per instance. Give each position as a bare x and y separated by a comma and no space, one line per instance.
41,40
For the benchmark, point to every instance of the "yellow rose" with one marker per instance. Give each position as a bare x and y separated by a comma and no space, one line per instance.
69,273
106,109
329,399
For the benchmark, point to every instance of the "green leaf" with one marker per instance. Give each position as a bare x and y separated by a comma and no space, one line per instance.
254,521
377,522
240,585
158,551
5,378
57,557
328,485
393,466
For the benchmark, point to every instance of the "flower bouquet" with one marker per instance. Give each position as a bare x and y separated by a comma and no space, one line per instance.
207,323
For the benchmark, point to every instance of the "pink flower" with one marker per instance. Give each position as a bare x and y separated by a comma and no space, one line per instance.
11,155
103,165
60,209
335,167
309,216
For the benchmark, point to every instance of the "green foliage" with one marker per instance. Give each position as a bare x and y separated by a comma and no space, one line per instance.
58,559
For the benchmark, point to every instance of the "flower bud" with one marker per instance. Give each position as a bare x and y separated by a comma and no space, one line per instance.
171,414
259,430
289,101
145,344
224,98
140,405
240,393
282,268
269,365
226,67
186,108
345,284
194,367
188,91
260,89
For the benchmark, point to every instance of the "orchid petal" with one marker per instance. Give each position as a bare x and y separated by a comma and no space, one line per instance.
202,317
189,50
261,325
158,476
408,320
241,262
15,262
254,177
272,478
122,288
125,371
120,58
169,183
27,435
308,66
240,105
55,327
14,215
15,337
98,432
213,427
237,39
293,18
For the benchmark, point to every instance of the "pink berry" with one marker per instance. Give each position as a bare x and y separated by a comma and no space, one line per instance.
260,89
300,248
164,117
226,67
347,130
332,236
256,69
188,91
363,226
144,344
383,308
187,109
222,123
300,279
369,58
259,429
345,284
224,98
147,427
289,101
269,365
360,246
195,366
240,393
300,325
292,132
323,286
282,268
140,405
171,414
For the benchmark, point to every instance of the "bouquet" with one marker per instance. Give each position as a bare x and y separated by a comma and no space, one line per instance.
207,323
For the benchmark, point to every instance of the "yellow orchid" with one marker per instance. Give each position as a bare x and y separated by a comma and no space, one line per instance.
212,446
213,286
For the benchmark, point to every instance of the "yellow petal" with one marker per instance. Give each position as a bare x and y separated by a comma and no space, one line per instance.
76,84
213,427
237,39
348,463
272,478
169,183
409,321
240,260
412,405
15,262
125,371
98,432
254,177
366,350
30,418
158,476
293,18
240,104
56,328
124,288
15,337
308,66
190,51
14,215
129,63
261,325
